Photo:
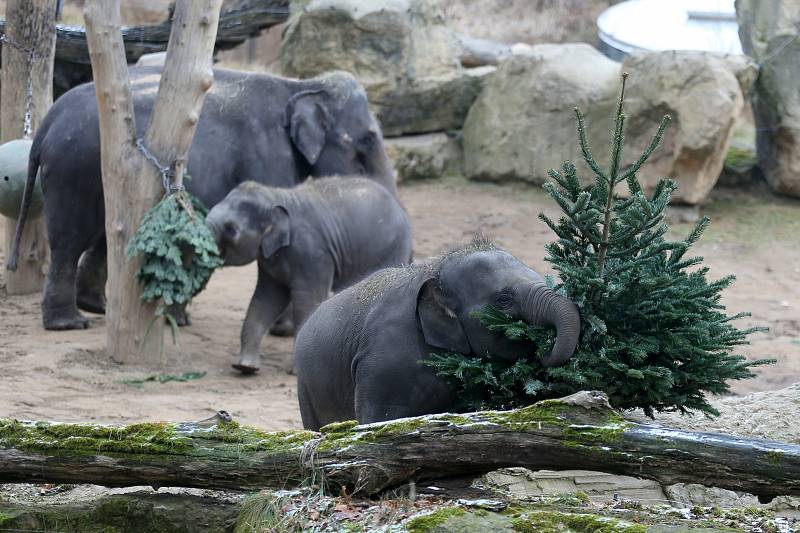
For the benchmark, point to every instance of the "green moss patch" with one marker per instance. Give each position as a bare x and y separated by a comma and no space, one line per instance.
539,521
430,521
149,438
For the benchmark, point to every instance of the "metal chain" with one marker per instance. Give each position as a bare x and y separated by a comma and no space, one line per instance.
27,124
167,174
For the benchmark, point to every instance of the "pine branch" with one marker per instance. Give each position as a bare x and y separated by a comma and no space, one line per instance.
587,153
634,168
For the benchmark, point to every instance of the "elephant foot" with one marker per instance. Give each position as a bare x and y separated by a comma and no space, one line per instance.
65,323
248,364
92,303
180,315
283,328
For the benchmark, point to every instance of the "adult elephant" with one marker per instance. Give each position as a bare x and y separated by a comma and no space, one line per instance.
358,355
272,130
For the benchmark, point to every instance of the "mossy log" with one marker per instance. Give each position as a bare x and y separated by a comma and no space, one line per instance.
577,432
136,512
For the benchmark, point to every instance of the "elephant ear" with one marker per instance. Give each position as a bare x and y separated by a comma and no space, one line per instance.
308,120
440,325
277,233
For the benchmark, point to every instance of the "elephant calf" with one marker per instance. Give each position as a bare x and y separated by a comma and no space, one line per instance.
358,355
323,235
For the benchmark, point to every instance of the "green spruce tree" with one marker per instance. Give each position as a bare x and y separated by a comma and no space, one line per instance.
654,334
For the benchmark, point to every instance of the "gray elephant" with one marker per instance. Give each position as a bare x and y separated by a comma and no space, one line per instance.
358,355
321,236
253,126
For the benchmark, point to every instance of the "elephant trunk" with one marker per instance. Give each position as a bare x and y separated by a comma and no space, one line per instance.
544,307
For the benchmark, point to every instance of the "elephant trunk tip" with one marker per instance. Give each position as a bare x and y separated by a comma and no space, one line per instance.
545,307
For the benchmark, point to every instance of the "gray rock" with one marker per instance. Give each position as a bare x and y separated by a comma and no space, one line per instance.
691,494
400,50
770,33
428,156
431,103
523,484
703,95
522,125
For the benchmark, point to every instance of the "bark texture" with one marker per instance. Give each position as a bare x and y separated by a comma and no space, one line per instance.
577,432
31,24
131,183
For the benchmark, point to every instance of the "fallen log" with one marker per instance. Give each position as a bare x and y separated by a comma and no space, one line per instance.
577,432
239,20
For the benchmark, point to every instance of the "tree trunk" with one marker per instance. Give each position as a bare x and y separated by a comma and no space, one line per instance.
31,25
131,183
577,432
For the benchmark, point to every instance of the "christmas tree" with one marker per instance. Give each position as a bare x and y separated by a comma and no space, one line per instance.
654,334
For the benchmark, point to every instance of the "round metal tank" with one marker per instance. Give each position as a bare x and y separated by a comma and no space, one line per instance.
708,25
13,174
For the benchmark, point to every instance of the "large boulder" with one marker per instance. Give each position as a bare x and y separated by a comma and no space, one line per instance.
703,95
400,50
770,33
522,124
424,157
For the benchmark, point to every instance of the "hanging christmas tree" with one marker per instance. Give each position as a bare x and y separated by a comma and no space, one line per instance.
654,334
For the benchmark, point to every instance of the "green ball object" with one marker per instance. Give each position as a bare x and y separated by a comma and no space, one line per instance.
13,174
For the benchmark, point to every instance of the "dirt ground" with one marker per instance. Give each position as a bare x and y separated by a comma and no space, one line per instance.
66,376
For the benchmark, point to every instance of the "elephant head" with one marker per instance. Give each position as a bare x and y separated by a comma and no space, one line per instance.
467,280
249,222
331,127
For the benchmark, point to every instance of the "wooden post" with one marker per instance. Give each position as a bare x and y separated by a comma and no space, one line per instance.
30,24
131,183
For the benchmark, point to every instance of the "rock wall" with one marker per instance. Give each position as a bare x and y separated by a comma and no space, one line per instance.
400,50
522,125
770,33
527,21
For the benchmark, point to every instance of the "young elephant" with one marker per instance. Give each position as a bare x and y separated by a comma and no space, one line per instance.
358,355
323,235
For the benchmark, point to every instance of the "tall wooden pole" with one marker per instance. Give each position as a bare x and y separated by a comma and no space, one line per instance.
131,183
31,25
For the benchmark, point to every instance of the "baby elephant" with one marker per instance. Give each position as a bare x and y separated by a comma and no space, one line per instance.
358,355
321,236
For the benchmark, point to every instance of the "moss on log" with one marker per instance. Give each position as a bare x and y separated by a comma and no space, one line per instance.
577,432
136,512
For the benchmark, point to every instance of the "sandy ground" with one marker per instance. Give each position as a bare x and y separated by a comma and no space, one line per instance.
66,375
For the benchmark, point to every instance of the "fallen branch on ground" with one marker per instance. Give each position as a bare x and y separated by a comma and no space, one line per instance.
577,432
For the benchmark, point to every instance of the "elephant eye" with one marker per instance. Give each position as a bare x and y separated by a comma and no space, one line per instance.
504,299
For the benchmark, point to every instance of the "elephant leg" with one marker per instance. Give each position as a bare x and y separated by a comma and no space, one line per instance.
59,305
270,299
307,413
92,275
284,327
306,297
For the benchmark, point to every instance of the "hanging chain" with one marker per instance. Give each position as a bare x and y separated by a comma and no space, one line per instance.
27,124
167,174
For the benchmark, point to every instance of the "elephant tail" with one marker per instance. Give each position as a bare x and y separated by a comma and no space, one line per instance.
27,197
